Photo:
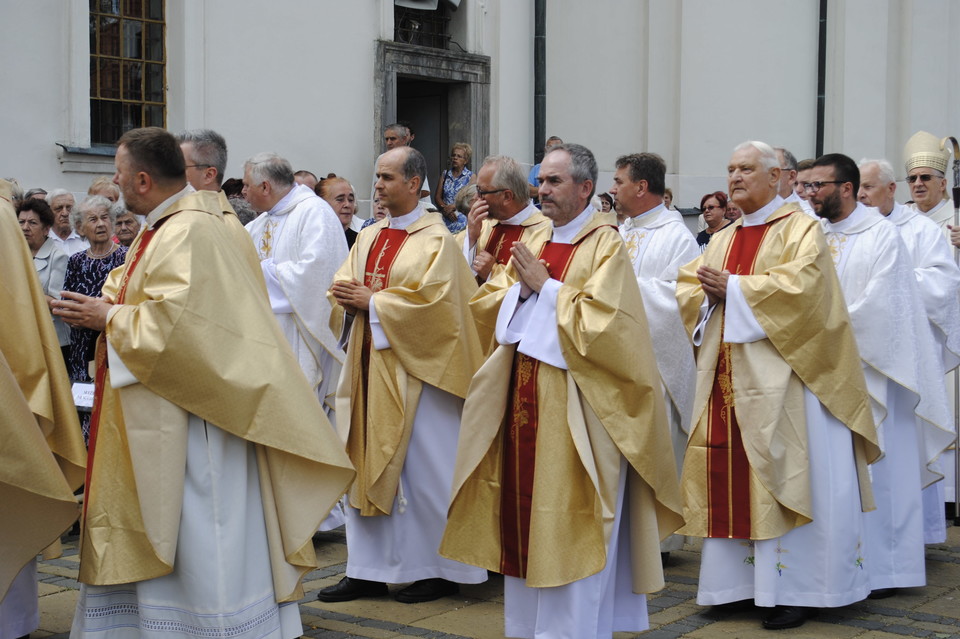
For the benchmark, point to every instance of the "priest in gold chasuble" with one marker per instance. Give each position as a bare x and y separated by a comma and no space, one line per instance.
565,479
42,457
411,348
207,443
501,215
775,471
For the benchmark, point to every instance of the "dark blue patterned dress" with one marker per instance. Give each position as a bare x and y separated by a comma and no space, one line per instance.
86,275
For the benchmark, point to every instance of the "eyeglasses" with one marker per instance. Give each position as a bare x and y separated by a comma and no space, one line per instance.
923,177
197,166
712,207
815,186
482,193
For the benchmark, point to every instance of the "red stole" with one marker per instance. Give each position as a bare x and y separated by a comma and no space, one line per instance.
520,440
728,470
133,258
501,239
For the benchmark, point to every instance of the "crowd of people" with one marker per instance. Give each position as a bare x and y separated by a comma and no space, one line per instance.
519,376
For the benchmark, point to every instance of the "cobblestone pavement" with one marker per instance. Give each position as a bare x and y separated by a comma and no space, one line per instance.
932,611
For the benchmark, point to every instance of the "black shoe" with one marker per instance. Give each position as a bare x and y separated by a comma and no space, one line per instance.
882,593
732,606
783,617
349,589
427,590
664,558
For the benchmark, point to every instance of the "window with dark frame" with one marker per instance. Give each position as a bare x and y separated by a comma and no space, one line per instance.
127,67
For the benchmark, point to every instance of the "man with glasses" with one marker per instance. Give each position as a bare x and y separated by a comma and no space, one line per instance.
926,163
205,154
904,375
775,468
501,215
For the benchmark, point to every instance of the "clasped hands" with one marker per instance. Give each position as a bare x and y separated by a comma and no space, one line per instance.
352,296
714,283
532,272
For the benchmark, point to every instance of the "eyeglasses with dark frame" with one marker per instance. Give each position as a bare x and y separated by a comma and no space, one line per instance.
816,186
197,166
482,193
923,177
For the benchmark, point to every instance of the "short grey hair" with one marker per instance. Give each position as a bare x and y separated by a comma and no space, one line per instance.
55,193
414,165
94,203
270,167
789,159
768,157
400,129
465,198
508,174
209,148
583,166
884,167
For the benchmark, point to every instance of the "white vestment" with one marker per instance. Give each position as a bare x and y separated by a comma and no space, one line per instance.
819,564
19,608
222,583
938,279
658,244
403,545
301,245
902,368
603,603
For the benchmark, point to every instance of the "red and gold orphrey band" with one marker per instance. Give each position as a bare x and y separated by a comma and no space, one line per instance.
728,469
520,440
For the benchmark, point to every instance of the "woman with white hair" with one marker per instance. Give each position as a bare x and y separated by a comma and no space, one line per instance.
86,272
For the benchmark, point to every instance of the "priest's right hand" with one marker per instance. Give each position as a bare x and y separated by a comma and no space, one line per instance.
954,235
478,213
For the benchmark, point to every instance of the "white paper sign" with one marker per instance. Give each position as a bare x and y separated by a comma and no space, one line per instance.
83,394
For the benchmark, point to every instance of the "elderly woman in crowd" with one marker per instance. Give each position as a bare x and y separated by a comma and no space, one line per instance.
338,193
36,218
451,181
714,206
87,270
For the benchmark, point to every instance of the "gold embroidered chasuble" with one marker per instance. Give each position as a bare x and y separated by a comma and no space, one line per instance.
795,296
196,330
421,303
485,303
607,405
42,458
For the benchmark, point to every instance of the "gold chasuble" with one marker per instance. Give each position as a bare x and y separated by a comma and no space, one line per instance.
497,238
196,330
538,463
746,472
422,285
42,456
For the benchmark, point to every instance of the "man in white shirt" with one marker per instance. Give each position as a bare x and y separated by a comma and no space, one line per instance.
64,235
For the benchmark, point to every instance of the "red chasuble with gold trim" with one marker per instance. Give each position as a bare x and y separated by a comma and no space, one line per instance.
501,239
520,440
728,469
376,277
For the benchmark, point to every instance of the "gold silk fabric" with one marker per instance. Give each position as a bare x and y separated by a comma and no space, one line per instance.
197,332
485,303
423,312
607,406
42,458
796,298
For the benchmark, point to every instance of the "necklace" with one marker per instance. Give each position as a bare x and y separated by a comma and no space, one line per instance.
95,256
